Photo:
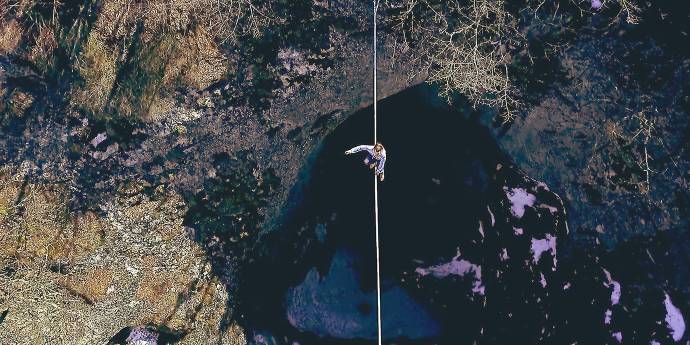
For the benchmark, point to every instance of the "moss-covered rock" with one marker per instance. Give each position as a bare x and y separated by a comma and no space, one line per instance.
226,214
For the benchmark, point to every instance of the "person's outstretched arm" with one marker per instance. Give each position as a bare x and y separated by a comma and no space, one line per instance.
359,148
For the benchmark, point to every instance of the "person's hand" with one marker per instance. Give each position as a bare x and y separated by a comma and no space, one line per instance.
348,152
381,177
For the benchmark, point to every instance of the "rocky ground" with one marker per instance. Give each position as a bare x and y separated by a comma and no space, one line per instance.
615,147
119,222
525,288
137,177
79,277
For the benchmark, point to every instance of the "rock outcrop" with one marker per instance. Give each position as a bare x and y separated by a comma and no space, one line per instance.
77,277
525,287
126,152
326,306
97,180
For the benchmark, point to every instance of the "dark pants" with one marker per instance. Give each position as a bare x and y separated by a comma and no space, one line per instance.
369,160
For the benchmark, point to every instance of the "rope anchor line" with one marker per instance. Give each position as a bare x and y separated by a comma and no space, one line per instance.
376,196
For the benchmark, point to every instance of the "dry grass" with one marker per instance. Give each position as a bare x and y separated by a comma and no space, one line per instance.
161,292
156,288
92,285
87,235
45,43
127,58
7,197
38,227
80,278
10,35
34,223
98,67
137,52
199,62
225,19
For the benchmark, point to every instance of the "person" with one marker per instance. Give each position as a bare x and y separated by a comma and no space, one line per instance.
375,159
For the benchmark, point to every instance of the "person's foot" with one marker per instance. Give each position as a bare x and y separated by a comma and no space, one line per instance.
381,177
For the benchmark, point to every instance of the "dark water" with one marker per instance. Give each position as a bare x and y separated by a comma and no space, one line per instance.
314,280
429,202
435,176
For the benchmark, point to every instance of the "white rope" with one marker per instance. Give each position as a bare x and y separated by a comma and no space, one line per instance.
376,198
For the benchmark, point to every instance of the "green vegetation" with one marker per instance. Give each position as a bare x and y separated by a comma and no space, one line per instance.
226,214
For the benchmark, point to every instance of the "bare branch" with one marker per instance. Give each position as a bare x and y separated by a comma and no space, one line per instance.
465,48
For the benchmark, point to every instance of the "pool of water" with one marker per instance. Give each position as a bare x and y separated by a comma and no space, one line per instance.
436,174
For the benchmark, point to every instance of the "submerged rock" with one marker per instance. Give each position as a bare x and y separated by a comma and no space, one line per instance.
142,336
459,267
335,306
674,319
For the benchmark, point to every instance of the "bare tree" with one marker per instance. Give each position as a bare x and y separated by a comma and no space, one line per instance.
225,20
229,18
631,11
465,45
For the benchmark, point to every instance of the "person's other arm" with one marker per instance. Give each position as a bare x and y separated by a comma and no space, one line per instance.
359,148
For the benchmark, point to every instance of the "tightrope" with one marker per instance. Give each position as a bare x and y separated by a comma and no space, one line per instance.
376,197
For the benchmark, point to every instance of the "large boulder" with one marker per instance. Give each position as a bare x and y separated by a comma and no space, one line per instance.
524,285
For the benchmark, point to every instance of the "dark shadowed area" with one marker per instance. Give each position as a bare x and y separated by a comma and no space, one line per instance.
436,174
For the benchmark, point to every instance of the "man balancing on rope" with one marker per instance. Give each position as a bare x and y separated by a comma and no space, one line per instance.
376,157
